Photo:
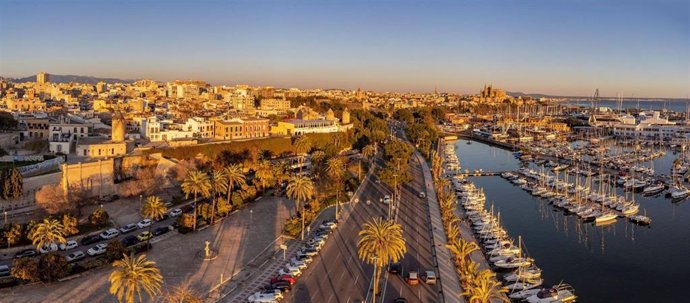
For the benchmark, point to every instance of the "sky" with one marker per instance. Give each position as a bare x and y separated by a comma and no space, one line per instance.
560,47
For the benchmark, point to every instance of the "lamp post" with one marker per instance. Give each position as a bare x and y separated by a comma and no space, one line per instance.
5,217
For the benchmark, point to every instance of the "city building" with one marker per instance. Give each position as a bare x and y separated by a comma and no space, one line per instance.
242,128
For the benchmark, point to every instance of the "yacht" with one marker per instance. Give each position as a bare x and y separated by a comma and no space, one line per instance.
558,293
679,192
605,218
641,220
653,189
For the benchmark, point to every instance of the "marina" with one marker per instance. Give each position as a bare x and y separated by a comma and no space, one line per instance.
602,263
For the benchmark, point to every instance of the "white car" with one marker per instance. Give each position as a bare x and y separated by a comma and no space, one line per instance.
110,233
331,225
97,250
386,199
276,292
71,244
75,256
299,264
290,270
144,223
422,195
175,212
262,298
48,248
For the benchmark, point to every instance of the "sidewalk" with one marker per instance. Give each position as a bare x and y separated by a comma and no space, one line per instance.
448,277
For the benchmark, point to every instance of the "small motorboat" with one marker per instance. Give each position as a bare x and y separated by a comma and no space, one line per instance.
558,293
653,189
641,220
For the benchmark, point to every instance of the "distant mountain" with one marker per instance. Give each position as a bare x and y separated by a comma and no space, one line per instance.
536,96
71,78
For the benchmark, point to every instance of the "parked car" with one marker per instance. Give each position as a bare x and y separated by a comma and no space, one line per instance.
144,236
284,278
386,199
27,253
310,251
71,244
412,278
277,293
429,277
130,240
75,256
261,298
163,217
48,248
160,230
109,234
290,270
144,223
88,240
282,286
175,212
299,264
4,270
128,228
187,208
422,195
98,249
394,268
304,258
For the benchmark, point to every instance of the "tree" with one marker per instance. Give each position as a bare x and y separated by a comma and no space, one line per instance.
264,173
197,184
300,188
53,199
12,233
70,224
219,184
12,184
153,209
52,266
234,176
335,167
484,287
50,231
302,147
132,275
182,294
99,217
25,269
222,207
369,151
462,249
380,241
115,250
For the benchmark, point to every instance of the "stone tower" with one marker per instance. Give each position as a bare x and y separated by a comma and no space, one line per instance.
118,128
345,117
330,116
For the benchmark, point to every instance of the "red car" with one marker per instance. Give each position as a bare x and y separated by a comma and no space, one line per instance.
287,278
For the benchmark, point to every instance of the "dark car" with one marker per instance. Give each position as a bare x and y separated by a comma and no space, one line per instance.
163,217
394,268
400,300
91,239
283,286
130,240
187,208
27,253
160,230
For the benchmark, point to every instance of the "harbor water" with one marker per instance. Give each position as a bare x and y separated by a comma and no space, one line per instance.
622,262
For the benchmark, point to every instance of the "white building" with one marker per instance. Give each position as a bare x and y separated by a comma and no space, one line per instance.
201,127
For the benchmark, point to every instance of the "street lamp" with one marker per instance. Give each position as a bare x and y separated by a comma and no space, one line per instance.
5,217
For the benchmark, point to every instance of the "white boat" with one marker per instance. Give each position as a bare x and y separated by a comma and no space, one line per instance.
512,262
605,218
524,284
558,293
653,189
641,220
679,192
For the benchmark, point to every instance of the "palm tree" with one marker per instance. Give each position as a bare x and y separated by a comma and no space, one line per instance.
264,172
197,184
335,167
233,175
50,231
381,241
300,188
132,275
302,147
484,287
369,151
219,183
462,249
153,209
182,293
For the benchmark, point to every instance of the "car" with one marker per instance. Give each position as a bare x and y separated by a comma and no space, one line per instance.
304,258
175,212
277,293
282,286
71,244
27,253
161,218
299,264
144,236
422,195
91,239
331,225
316,240
284,278
290,270
394,268
144,223
412,278
109,234
429,277
98,249
160,230
48,248
4,270
400,300
378,181
128,228
261,298
310,251
187,208
130,240
75,256
386,199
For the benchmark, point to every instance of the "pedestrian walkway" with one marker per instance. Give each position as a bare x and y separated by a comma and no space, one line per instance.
451,291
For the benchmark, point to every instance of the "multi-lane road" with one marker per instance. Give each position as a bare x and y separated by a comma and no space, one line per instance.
337,274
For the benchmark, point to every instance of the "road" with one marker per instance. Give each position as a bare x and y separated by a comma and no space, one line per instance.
337,274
